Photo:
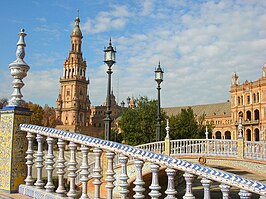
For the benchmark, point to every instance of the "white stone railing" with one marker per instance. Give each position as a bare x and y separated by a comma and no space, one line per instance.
255,150
209,147
154,146
38,189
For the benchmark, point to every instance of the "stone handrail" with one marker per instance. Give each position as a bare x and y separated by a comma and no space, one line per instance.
208,174
210,147
255,150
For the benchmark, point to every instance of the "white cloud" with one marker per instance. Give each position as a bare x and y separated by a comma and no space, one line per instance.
107,21
147,7
42,86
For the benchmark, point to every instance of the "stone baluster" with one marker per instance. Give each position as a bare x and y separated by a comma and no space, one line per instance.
49,165
97,172
39,162
84,171
170,191
225,190
29,180
139,189
72,168
189,178
110,174
206,183
244,194
61,191
123,176
155,187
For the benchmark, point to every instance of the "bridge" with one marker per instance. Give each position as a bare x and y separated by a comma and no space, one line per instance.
38,189
113,170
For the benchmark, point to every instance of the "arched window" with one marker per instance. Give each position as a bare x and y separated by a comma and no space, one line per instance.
258,97
248,99
242,100
248,135
256,114
227,135
248,115
238,100
72,47
257,135
240,114
218,135
254,97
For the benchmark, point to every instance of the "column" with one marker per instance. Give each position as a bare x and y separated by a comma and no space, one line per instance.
29,180
84,171
49,165
72,168
206,183
61,168
225,189
189,178
123,176
244,194
110,174
13,145
97,172
39,162
170,191
155,187
139,189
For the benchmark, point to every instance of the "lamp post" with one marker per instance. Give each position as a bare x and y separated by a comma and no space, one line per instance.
109,59
158,78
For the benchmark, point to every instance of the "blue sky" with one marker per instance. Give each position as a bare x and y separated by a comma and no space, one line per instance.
199,44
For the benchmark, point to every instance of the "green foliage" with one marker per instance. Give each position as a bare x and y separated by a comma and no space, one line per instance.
138,124
186,126
3,102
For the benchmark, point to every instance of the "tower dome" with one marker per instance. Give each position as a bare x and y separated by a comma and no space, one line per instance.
76,30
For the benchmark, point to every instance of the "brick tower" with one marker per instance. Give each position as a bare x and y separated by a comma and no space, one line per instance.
73,104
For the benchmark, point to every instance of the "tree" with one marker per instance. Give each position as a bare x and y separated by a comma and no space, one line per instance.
49,116
186,126
3,102
138,124
37,113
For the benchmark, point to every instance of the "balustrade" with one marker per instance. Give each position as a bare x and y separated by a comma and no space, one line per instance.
157,161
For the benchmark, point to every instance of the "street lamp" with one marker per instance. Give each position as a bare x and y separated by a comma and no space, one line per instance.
109,59
158,78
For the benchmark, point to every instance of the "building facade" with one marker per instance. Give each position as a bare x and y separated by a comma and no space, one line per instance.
247,100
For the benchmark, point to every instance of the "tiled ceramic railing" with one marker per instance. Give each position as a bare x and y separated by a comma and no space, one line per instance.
38,189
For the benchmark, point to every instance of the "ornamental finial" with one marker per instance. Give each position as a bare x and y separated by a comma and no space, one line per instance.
18,69
167,129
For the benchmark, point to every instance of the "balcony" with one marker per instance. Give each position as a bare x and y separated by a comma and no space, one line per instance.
248,122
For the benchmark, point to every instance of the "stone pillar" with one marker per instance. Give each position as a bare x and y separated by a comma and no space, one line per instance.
240,140
240,148
13,147
13,143
167,143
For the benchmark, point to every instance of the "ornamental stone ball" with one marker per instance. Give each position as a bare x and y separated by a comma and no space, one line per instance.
18,70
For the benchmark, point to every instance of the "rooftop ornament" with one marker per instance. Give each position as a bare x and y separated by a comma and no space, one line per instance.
18,70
